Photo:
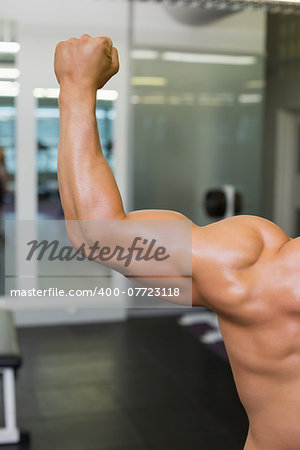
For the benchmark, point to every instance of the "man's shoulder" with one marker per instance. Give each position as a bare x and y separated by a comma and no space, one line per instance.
249,228
225,251
273,237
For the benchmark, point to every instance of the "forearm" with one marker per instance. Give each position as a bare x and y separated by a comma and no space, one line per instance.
87,186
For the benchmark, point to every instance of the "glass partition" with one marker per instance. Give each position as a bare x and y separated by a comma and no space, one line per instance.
47,116
197,126
7,172
49,205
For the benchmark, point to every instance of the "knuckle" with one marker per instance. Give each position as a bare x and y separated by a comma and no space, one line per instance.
104,40
72,40
100,40
85,36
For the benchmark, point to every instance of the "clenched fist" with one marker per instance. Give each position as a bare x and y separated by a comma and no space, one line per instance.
85,63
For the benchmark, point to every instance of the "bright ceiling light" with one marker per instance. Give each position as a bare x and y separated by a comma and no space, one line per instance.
9,47
103,94
153,99
9,73
46,93
9,88
149,81
144,54
206,58
216,99
250,98
107,95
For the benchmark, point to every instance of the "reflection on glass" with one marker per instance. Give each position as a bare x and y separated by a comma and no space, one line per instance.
7,172
197,125
47,115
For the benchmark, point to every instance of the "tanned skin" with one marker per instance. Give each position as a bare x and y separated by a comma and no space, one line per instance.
245,268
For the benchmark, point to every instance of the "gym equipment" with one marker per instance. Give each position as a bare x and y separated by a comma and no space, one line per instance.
231,6
195,16
223,202
10,361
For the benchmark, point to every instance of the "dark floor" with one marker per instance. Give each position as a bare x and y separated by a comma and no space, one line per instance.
143,384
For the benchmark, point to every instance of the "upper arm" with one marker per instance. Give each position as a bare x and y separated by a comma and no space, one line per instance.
213,258
159,242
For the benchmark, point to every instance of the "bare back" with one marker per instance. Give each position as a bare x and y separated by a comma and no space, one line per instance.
258,306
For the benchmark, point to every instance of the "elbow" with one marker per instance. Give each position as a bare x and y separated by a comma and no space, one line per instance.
74,234
86,230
